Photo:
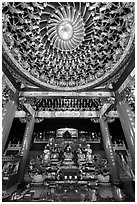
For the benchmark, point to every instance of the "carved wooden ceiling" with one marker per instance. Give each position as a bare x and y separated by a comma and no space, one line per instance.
67,46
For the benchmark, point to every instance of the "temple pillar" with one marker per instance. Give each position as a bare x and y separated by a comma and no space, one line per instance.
109,150
8,114
26,147
128,124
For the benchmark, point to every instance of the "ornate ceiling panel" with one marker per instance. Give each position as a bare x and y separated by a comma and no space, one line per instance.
67,45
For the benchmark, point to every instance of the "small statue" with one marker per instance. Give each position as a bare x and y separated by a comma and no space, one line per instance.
81,155
88,154
68,153
46,158
55,153
94,196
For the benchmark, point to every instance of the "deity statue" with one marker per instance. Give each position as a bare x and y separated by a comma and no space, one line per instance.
51,143
88,154
55,153
68,153
81,155
46,157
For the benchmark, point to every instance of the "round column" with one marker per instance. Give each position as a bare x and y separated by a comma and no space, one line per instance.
128,124
26,147
109,150
8,114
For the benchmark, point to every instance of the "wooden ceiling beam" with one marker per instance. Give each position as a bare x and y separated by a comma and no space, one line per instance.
69,114
104,108
45,94
29,108
10,77
128,80
125,74
6,80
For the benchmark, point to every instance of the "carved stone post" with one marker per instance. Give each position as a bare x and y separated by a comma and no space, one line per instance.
8,114
109,150
128,124
26,147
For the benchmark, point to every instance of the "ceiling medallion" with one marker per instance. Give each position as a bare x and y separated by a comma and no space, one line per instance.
66,29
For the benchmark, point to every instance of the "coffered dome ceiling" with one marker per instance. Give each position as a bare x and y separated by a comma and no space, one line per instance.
67,45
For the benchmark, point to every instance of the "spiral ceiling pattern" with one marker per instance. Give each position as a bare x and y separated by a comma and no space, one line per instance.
67,45
65,29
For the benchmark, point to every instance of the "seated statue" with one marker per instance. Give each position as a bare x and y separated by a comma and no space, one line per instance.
46,156
55,153
88,154
68,153
81,155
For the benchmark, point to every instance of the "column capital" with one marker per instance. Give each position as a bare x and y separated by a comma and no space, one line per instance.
29,117
117,97
103,117
14,97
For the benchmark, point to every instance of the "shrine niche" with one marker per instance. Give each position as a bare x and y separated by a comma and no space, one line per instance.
67,132
66,135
